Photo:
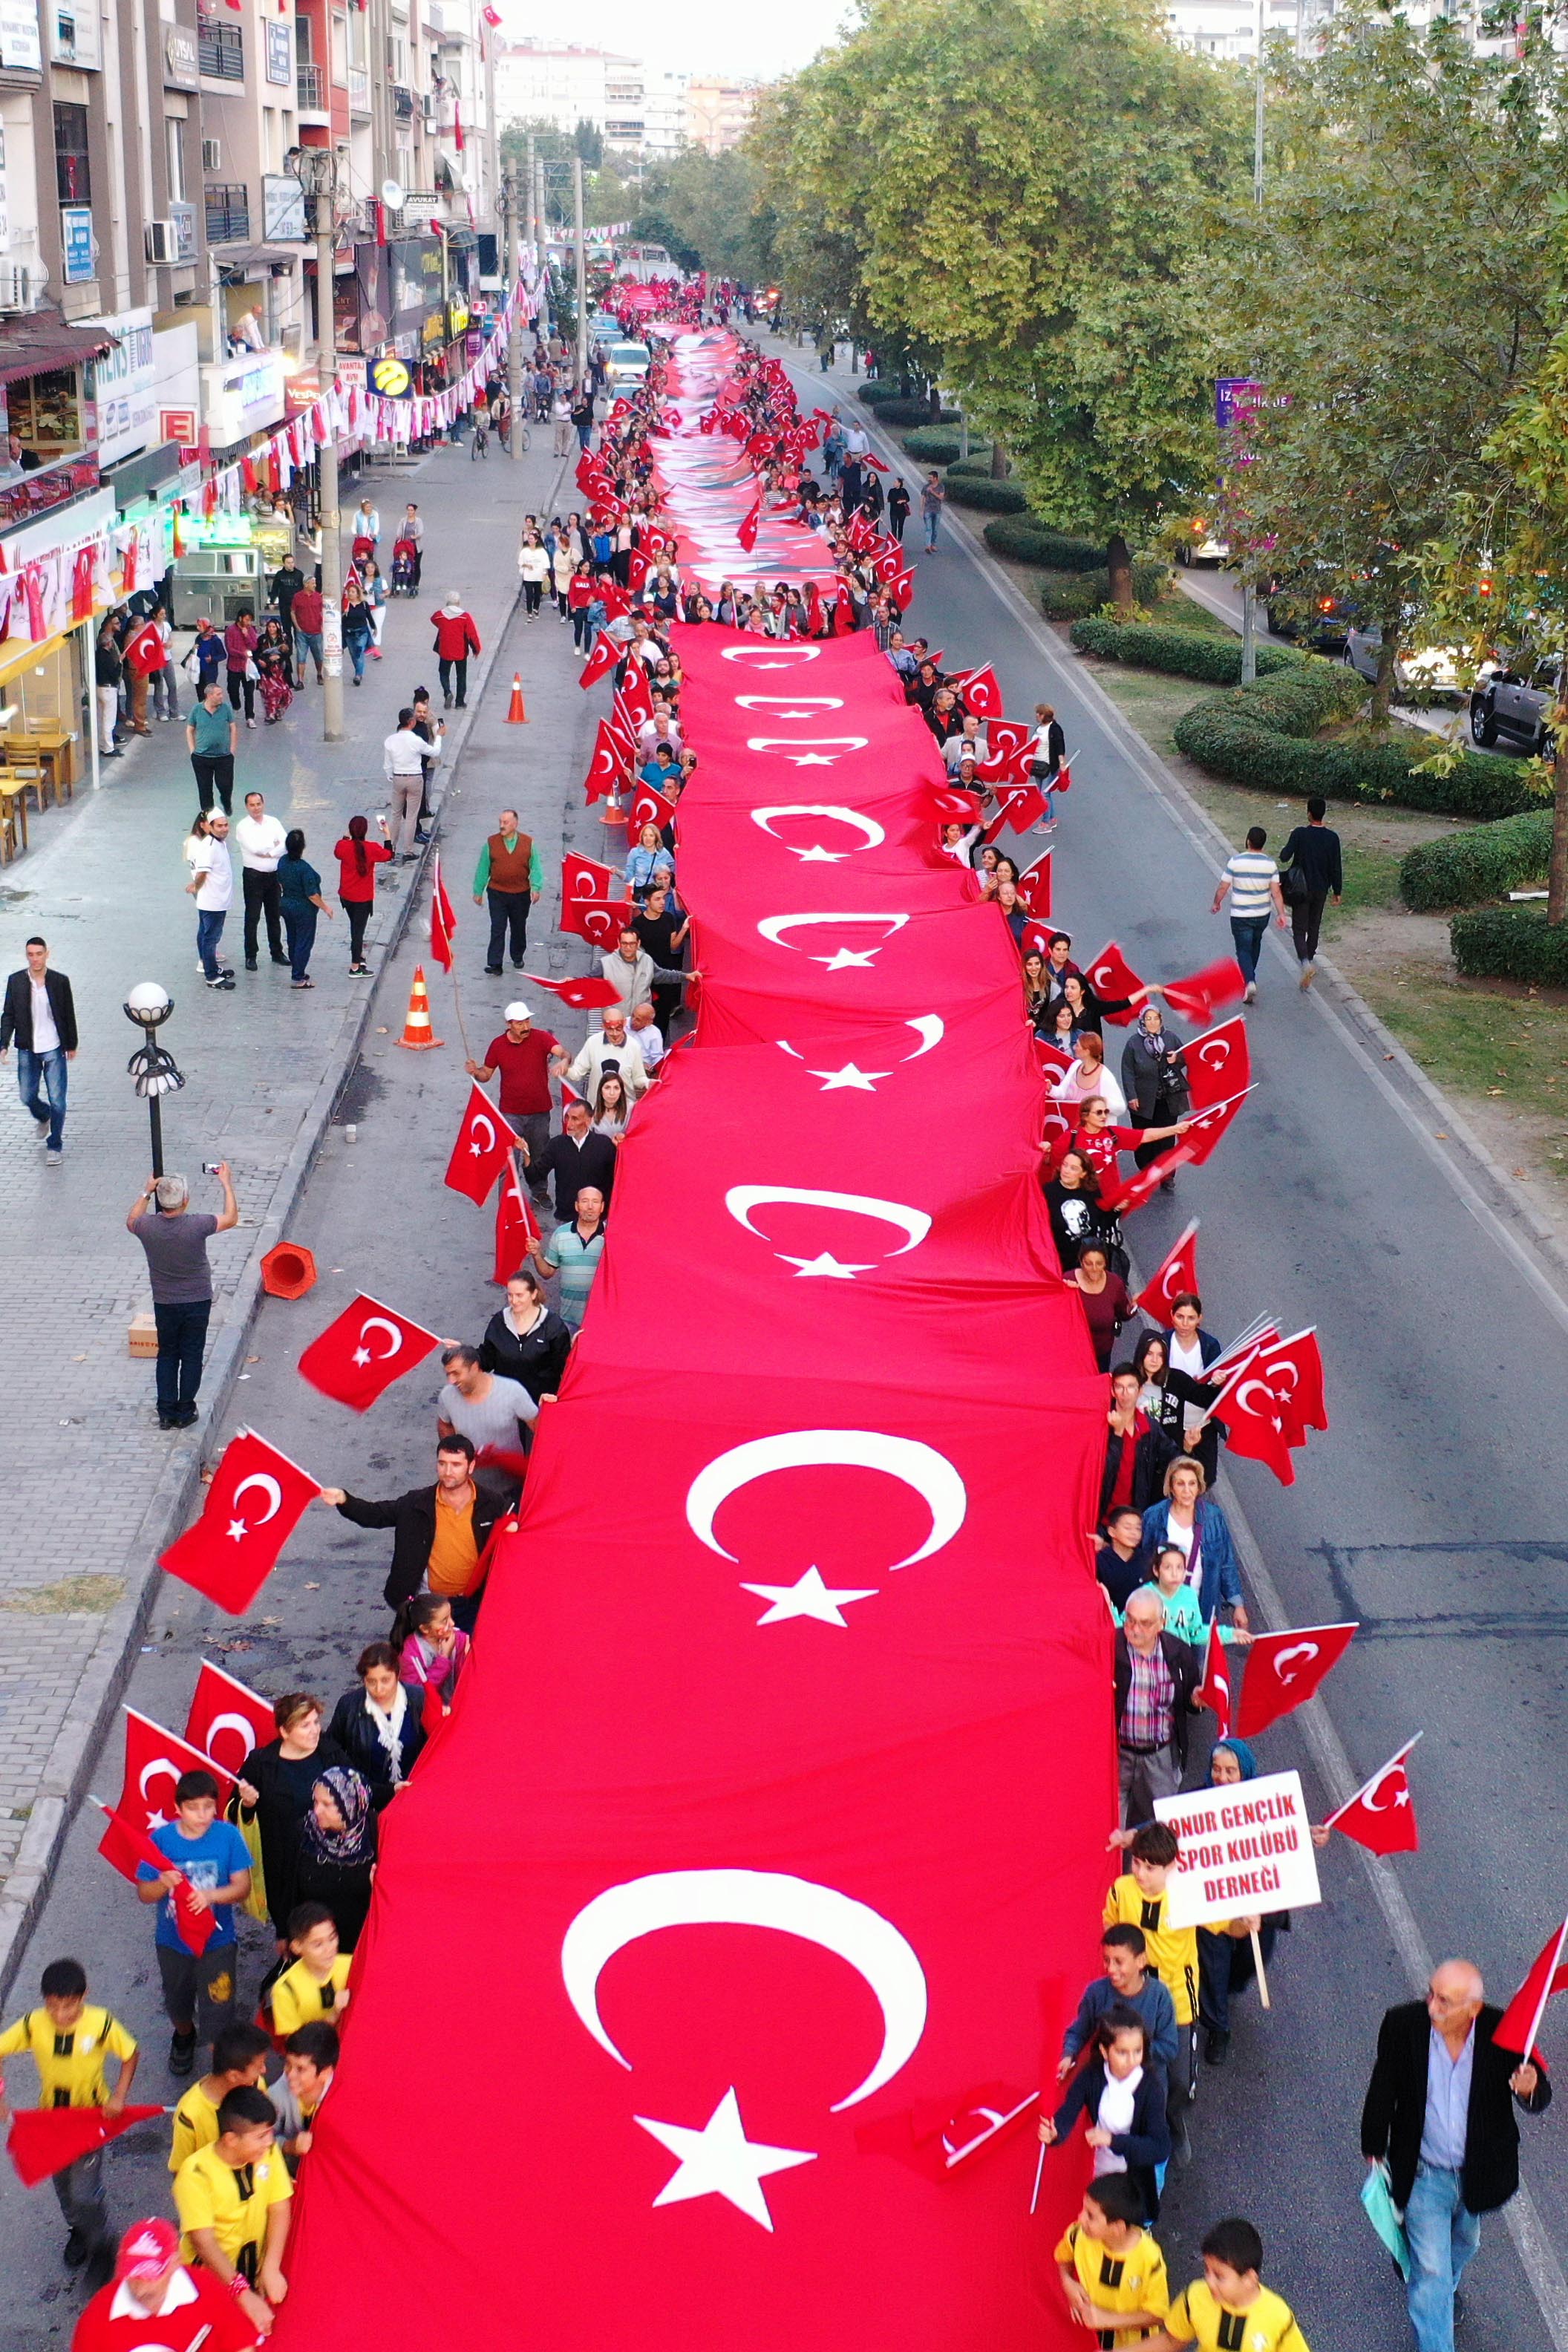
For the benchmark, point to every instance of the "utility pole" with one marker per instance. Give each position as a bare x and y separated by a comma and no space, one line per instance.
583,267
511,197
317,168
1248,595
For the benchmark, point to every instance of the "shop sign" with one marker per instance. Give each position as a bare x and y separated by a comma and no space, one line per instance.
121,385
282,206
180,67
242,396
76,242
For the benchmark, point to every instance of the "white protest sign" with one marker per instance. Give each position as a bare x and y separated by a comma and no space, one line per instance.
1246,1848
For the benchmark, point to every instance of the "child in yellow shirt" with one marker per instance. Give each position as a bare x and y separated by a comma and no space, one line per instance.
1229,2309
1113,2272
317,1984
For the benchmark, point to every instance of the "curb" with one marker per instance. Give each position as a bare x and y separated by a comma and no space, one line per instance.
106,1669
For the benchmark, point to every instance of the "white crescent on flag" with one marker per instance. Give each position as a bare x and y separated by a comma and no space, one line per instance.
474,1145
269,1488
919,1467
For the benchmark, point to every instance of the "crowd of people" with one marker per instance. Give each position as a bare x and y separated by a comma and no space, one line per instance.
295,1846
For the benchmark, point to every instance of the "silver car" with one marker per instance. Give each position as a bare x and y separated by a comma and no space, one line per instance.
1417,669
1515,712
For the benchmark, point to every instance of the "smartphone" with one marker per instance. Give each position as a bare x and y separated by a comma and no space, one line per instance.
209,1167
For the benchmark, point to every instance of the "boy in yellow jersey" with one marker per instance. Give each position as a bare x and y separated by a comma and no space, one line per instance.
1139,1899
232,2203
67,2040
1229,2309
310,2060
1112,2273
317,1984
239,2062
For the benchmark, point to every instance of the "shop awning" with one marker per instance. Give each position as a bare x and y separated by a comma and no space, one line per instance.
37,345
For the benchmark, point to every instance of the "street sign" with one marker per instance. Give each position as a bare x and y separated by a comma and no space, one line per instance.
1234,398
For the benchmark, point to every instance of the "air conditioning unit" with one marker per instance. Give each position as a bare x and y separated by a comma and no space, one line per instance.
159,240
19,286
212,154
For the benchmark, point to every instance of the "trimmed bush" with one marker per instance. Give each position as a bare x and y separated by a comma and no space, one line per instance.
1481,863
1180,653
977,462
979,490
1073,595
1029,541
878,395
913,411
1510,943
1264,735
932,445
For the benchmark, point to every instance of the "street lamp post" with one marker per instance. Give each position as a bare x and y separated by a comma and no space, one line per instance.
151,1065
1249,594
317,170
511,276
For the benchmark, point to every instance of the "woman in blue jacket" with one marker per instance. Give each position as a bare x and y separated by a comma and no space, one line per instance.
1188,1520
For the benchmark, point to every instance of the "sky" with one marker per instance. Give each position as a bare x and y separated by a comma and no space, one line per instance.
702,37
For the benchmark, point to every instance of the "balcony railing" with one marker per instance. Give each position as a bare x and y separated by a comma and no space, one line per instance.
220,51
312,88
359,89
228,213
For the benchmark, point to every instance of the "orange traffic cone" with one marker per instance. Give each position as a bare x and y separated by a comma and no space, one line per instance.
417,1030
518,714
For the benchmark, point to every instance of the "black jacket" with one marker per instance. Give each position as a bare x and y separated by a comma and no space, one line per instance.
1395,2114
16,1019
1155,1089
573,1166
1147,2143
1155,1448
412,1519
358,1737
283,1795
537,1360
1187,1668
1314,851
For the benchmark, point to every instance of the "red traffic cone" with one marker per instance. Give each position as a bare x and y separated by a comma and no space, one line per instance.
418,1030
517,716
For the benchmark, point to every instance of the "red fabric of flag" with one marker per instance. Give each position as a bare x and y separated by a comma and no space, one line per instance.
228,1719
43,2141
1218,1063
604,658
251,1510
517,1227
479,1153
362,1351
1255,1431
1284,1669
1382,1817
979,692
1520,2021
587,991
194,1923
648,807
1177,1272
1111,975
1214,1690
443,922
1201,993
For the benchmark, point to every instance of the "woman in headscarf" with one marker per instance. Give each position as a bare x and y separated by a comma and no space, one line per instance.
379,1727
1154,1080
1225,1963
273,1796
337,1851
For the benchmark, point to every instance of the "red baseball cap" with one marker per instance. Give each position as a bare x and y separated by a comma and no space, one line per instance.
147,2249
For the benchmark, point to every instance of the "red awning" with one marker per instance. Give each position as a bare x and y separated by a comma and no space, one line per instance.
34,346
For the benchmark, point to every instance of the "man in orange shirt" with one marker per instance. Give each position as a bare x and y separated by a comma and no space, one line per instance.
438,1533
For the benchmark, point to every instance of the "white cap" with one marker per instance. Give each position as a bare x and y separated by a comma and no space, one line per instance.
518,1013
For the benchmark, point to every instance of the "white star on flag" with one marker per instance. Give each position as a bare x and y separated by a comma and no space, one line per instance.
720,2161
849,1076
825,1264
238,1530
820,856
811,759
809,1597
361,1355
847,956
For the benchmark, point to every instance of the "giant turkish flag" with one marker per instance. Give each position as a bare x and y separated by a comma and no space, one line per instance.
777,1793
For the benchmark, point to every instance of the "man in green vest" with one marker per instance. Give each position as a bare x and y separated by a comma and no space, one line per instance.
509,873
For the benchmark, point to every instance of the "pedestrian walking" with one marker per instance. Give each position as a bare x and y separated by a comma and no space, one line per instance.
1252,880
456,638
933,497
378,1726
511,876
284,586
175,1239
439,1532
211,1858
561,418
1190,1519
273,1794
275,666
1141,1898
1312,871
526,1340
204,661
337,1851
1138,1450
574,1249
1440,2114
404,755
898,507
261,839
357,861
375,598
151,2292
1227,1964
1154,1081
39,1017
1113,2272
1157,1677
212,887
366,526
108,675
307,613
1107,1304
1229,2304
1129,1982
240,643
411,534
1122,2095
535,571
234,2201
68,2040
303,902
212,738
358,626
524,1056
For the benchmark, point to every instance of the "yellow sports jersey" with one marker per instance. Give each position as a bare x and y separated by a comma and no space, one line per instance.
1133,2281
70,2065
234,2205
1198,2316
196,2126
1173,1952
297,1997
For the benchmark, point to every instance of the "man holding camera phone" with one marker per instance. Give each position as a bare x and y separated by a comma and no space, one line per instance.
175,1240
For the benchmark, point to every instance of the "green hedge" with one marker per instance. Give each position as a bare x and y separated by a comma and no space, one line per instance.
978,462
979,490
933,446
913,411
1182,652
878,395
1029,541
1073,595
1482,862
1510,943
1264,735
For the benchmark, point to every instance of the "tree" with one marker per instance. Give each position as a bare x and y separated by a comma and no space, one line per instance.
1025,185
1391,297
706,208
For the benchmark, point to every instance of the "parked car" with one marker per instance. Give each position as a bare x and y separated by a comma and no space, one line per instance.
1312,616
627,363
1201,544
1417,669
604,329
1515,712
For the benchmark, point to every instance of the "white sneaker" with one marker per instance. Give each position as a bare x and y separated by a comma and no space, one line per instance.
1249,993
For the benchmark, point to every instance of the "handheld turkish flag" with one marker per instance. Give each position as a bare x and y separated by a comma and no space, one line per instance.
1218,1063
1214,1691
1382,1816
636,697
144,651
901,589
589,991
951,805
1062,781
610,763
746,530
1221,982
1178,1271
648,807
362,1350
616,600
1205,1127
228,1719
43,2141
194,1925
621,730
604,656
1293,1368
1051,1059
979,692
443,922
479,1152
937,2136
155,1759
1018,806
1035,886
1284,1669
517,1228
1112,975
432,1711
1125,1196
583,880
252,1510
600,921
1005,738
887,565
1520,2021
1255,1429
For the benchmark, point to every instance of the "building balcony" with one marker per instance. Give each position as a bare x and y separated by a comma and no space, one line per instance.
220,52
312,92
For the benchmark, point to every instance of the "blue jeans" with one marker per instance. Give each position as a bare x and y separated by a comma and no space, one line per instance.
49,1070
181,1341
355,649
209,930
1249,937
930,523
307,646
299,922
1443,2239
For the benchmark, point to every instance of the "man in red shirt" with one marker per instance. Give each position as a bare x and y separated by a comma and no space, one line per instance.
155,2305
306,614
456,639
526,1057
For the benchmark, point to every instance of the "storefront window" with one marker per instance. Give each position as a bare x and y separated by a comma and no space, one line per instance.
44,415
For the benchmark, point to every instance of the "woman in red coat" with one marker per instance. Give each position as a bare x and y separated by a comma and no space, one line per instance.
456,639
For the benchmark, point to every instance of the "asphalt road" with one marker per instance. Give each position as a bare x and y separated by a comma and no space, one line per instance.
1425,1513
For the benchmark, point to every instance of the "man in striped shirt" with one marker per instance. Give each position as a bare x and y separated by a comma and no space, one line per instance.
1252,879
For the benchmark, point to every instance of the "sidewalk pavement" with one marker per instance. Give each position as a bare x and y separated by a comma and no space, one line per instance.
97,1490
